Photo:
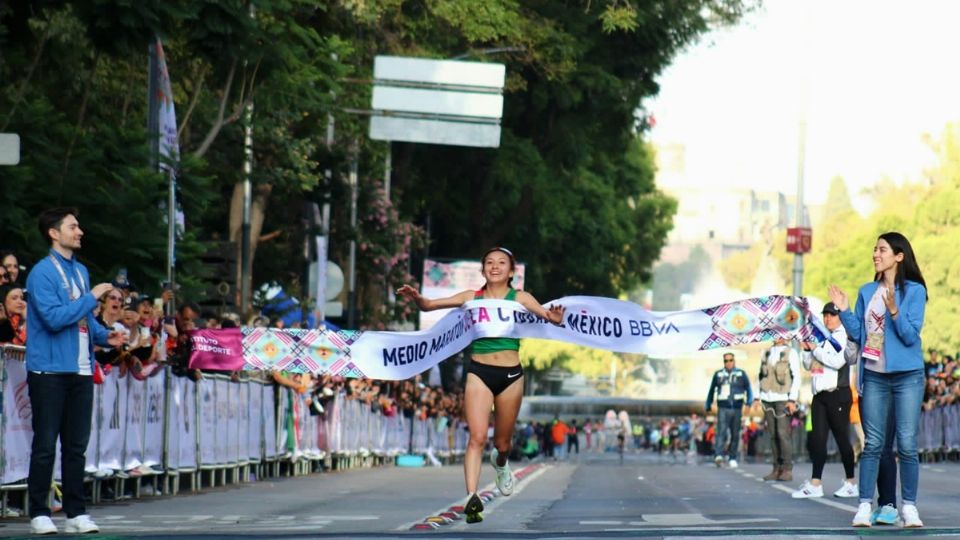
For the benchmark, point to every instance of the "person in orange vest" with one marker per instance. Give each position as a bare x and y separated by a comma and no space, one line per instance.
559,433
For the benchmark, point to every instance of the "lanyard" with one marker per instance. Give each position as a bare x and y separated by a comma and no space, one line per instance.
63,276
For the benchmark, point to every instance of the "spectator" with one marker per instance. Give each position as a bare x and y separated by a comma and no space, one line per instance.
11,266
62,333
13,323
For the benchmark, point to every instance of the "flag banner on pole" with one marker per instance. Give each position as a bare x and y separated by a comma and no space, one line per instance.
601,323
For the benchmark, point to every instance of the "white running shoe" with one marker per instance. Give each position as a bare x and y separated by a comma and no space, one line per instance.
504,474
862,517
718,460
910,517
847,490
42,525
732,464
82,524
809,491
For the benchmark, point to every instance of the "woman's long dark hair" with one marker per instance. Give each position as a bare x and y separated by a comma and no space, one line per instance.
908,267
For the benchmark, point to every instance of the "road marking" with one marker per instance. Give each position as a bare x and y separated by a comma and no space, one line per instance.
494,504
821,500
601,522
678,520
749,475
937,469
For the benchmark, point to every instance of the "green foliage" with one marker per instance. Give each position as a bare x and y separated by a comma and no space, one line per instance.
571,187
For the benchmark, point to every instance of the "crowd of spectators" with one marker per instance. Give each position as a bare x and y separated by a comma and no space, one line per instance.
943,380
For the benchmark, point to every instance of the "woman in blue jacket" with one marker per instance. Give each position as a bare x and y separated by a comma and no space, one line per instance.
886,322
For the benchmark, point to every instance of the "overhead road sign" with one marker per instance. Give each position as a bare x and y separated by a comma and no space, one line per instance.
437,101
9,149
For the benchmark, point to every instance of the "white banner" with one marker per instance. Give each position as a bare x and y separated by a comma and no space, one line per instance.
221,420
601,323
174,421
17,425
255,413
133,444
111,428
270,420
189,396
93,445
153,436
208,421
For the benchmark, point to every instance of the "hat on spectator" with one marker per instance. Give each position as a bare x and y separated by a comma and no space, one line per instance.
830,308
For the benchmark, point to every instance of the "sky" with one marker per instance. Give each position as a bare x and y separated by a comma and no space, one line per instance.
870,78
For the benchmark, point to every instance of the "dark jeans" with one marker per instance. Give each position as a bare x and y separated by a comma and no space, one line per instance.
62,406
778,426
831,413
573,441
728,424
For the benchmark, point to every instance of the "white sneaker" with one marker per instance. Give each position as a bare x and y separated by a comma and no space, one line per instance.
82,524
504,474
847,490
862,517
42,525
732,464
809,491
718,460
910,516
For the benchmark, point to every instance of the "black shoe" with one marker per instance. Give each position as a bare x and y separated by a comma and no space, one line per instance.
473,508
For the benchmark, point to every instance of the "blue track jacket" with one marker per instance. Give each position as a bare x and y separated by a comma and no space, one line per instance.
53,329
901,338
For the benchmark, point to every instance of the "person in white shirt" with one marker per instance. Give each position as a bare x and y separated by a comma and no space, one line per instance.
830,409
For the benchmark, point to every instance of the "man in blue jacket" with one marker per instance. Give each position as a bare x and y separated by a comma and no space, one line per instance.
62,332
732,387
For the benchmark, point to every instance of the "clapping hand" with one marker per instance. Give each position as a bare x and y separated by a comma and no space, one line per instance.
838,297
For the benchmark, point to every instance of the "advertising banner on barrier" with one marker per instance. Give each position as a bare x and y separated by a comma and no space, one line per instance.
114,401
133,444
17,424
208,422
153,421
601,323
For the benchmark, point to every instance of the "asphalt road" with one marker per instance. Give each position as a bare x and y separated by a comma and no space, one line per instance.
587,496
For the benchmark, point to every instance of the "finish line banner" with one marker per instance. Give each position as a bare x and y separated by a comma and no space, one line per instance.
601,323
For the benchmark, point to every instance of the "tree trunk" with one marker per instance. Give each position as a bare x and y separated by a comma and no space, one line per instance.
258,206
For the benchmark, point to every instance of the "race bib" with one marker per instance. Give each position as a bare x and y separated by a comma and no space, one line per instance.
724,391
873,347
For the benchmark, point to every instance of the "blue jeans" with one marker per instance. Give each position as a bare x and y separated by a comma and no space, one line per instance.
902,392
728,424
62,406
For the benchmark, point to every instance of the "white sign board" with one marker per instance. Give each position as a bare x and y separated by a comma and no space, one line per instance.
9,149
437,101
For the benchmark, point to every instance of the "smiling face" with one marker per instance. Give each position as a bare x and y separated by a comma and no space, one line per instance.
497,267
68,234
884,259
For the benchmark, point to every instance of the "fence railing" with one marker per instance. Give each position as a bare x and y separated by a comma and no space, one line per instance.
167,426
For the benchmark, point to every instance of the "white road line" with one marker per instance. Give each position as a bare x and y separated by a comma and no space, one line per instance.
601,523
494,504
821,500
937,469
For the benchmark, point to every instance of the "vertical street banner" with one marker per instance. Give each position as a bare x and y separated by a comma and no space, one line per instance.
168,145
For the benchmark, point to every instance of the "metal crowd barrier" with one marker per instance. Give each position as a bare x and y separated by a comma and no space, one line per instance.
939,432
212,432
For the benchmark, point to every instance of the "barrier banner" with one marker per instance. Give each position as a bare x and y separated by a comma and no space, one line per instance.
114,400
270,420
233,422
133,445
93,445
601,323
221,420
17,424
244,390
188,423
153,436
175,420
255,426
208,421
